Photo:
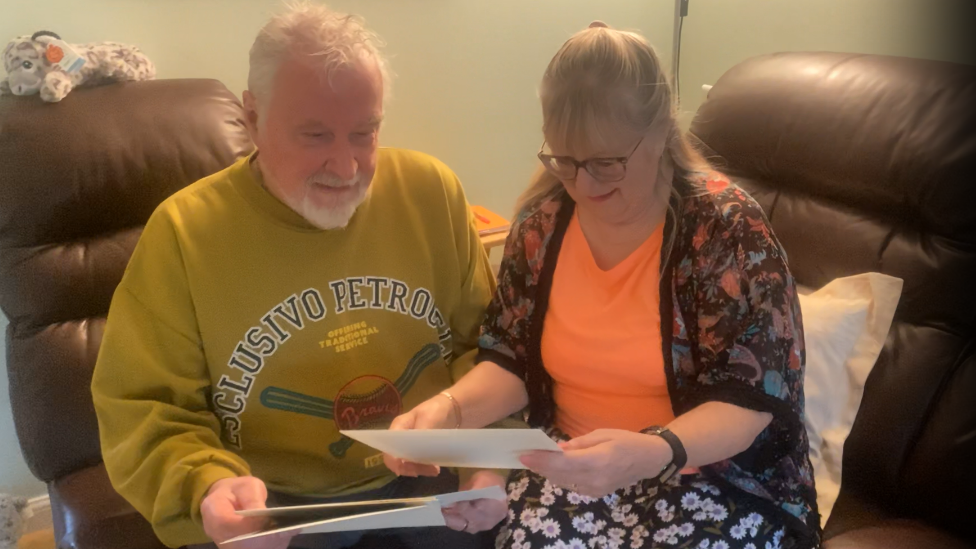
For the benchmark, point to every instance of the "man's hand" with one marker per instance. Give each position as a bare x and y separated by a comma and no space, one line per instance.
221,523
601,462
480,514
433,413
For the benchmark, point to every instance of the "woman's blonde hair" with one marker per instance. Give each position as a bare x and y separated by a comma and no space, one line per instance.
600,81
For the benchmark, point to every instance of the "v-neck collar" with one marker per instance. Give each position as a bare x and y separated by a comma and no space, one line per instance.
625,266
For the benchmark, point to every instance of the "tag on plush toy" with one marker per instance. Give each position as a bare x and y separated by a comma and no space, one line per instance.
61,54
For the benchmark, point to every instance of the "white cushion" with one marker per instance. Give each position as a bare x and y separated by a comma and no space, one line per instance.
845,326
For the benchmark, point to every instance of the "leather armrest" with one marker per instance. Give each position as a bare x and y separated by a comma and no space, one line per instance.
896,534
90,514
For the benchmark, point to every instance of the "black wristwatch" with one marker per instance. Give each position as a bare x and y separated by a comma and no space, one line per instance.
679,457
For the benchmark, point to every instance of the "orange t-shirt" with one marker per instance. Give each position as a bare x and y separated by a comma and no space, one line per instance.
601,341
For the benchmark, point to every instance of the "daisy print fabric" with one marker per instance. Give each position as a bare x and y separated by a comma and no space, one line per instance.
687,512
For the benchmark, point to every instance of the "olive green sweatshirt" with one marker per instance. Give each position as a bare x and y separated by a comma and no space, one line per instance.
241,338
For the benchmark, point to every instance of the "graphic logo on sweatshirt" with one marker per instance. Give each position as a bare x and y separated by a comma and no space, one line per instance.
296,312
367,402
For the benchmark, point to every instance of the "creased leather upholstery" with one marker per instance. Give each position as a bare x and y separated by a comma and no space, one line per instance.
78,180
866,163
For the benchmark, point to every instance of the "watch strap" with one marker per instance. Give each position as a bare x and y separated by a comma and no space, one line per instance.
678,455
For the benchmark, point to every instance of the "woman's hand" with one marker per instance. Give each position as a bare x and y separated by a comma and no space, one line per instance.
601,462
480,514
434,413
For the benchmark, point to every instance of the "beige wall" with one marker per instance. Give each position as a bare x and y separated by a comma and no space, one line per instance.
466,69
465,90
717,34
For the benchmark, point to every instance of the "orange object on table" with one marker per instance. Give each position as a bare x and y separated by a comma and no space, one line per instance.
488,222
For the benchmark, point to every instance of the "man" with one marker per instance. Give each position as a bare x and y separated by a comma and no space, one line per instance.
319,284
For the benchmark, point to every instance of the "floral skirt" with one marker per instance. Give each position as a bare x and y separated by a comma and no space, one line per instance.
686,512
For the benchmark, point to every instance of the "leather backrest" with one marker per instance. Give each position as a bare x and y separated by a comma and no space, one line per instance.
78,180
866,163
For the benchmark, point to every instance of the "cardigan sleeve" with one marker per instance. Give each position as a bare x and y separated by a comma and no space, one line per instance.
749,327
506,333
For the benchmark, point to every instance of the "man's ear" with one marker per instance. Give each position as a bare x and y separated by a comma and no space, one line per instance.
250,113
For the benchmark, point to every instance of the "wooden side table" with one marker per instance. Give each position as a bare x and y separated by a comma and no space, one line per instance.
494,240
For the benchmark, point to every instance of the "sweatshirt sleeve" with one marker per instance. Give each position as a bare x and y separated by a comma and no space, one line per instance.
160,438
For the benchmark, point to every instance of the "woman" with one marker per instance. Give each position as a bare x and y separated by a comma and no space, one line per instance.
646,317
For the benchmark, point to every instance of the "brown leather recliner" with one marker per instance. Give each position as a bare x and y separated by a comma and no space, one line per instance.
868,163
78,180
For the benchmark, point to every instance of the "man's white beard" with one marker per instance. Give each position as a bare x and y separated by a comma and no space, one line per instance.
335,216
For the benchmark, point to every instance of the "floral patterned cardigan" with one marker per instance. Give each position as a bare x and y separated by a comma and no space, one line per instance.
730,323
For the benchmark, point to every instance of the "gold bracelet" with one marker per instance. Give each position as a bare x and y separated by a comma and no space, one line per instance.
456,406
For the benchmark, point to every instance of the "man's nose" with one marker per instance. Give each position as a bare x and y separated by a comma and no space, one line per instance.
343,164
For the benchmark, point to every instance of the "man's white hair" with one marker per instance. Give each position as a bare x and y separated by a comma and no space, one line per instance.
334,40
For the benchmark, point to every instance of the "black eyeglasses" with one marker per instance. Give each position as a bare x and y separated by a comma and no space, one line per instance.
604,170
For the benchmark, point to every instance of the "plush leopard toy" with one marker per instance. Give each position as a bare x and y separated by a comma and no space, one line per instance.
37,64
